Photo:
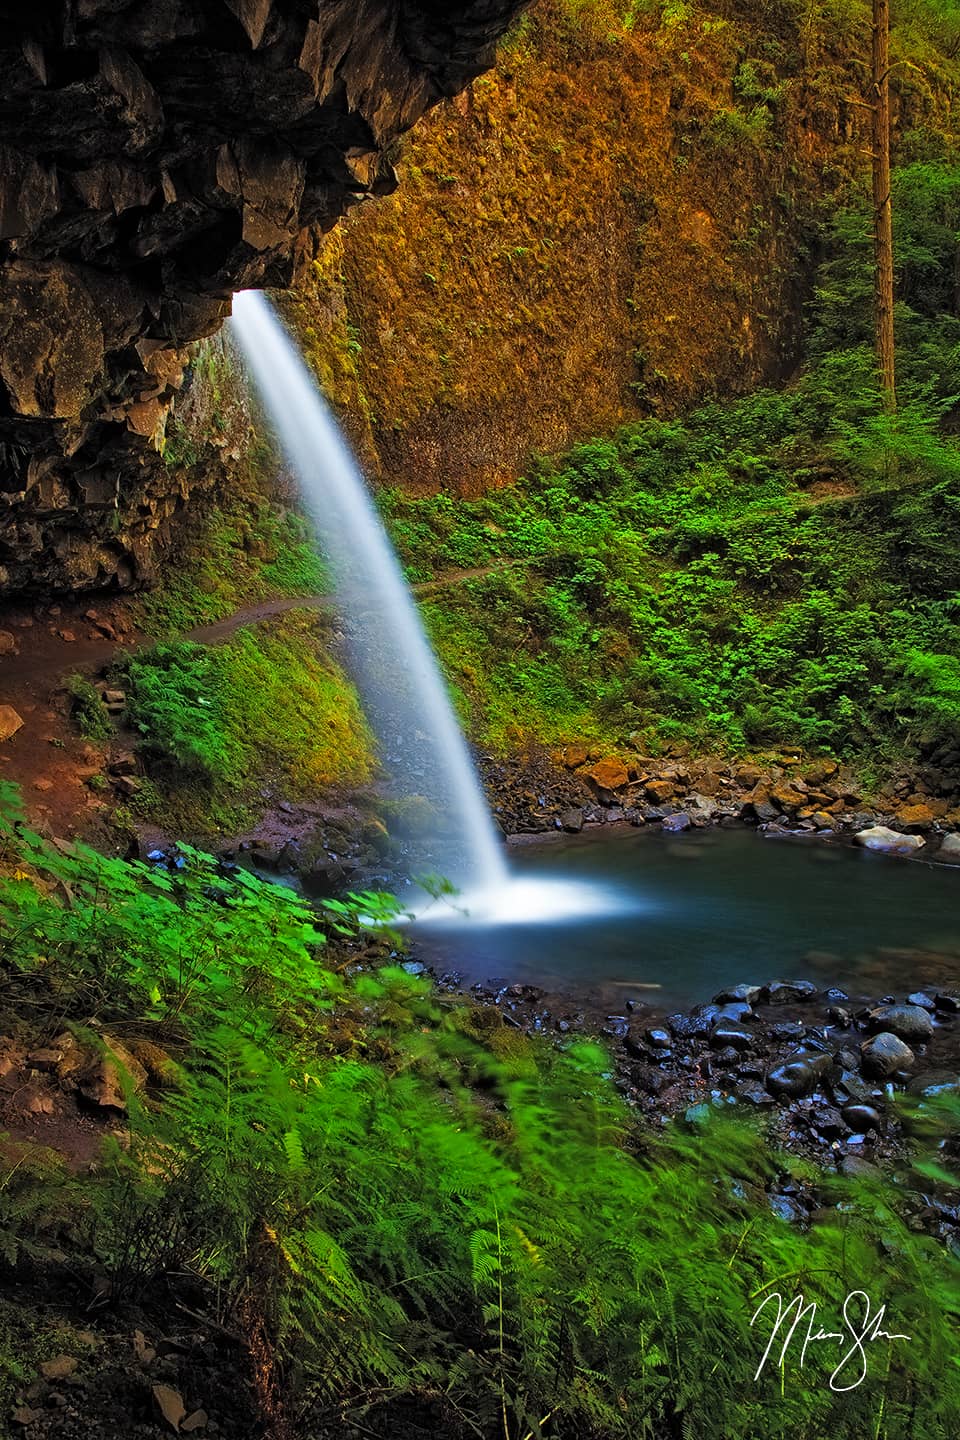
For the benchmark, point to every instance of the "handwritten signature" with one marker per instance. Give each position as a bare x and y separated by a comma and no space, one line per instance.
861,1330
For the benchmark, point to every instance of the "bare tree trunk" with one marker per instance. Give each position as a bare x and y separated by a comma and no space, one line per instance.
883,214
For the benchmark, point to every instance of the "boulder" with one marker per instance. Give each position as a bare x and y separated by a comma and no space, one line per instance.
908,1022
657,791
792,1080
888,842
885,1054
949,849
745,994
915,817
785,992
608,774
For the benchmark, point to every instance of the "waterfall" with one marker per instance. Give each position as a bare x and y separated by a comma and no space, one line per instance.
400,683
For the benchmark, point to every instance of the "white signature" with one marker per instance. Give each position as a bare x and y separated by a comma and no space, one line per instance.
860,1330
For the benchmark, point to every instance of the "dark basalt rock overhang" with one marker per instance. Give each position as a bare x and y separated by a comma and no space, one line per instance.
155,157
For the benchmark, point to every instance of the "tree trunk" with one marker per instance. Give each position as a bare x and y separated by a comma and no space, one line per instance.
883,214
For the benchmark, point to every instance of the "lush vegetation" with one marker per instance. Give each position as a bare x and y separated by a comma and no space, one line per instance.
781,569
270,705
415,1204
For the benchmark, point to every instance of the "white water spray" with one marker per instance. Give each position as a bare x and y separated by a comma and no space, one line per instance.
398,678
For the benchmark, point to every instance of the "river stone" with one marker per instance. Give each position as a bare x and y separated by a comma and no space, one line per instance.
754,1094
921,998
787,1030
862,1118
658,1037
887,841
851,1088
783,992
746,994
828,1122
950,849
884,1054
947,1000
726,1033
735,1010
909,1022
793,1080
673,824
572,820
10,722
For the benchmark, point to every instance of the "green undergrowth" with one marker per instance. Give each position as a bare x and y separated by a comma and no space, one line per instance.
245,549
420,1213
269,707
782,569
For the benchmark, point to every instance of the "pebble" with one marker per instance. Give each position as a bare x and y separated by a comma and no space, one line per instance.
862,1118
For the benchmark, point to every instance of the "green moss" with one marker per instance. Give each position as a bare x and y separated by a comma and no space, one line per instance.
87,709
269,707
781,569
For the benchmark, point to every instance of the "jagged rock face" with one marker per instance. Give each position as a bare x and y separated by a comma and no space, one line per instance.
156,156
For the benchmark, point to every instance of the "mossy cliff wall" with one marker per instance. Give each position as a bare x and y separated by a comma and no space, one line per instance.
612,222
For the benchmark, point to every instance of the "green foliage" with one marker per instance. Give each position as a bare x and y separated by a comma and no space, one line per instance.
247,549
781,569
268,704
87,709
425,1208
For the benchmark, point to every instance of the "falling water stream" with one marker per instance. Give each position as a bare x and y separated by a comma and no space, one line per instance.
403,692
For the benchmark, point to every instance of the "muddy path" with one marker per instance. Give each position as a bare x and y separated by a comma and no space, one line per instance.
46,758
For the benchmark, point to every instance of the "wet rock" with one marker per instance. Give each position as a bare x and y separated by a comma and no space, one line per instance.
836,996
888,842
787,1208
915,817
850,1087
828,1121
571,820
787,1030
747,994
752,1093
793,1080
736,1010
785,992
840,1016
909,1022
725,1033
861,1118
658,1037
949,849
764,810
948,1000
885,1054
673,824
921,998
658,791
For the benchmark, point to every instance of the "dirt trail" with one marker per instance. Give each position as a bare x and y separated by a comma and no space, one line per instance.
46,758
